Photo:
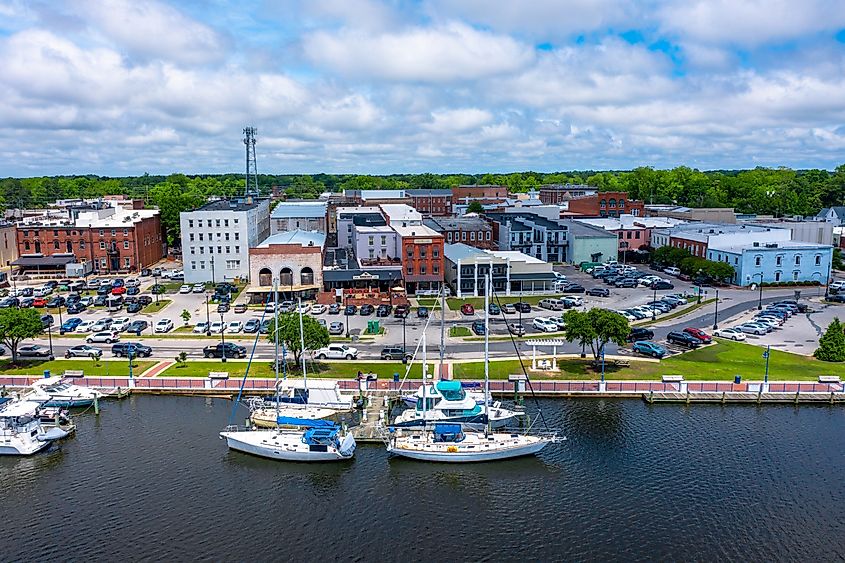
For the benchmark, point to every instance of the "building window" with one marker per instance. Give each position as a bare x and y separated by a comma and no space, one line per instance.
628,235
68,246
795,275
126,232
236,221
55,245
372,253
370,240
435,253
102,245
193,249
26,245
611,202
102,232
225,222
237,234
102,263
55,233
193,265
621,204
227,236
463,235
797,259
82,245
422,252
636,234
422,269
202,250
191,237
777,276
202,265
201,239
113,232
602,204
410,252
778,260
410,270
435,268
237,250
228,249
126,245
488,235
818,259
449,236
126,262
383,240
472,236
217,222
757,260
219,250
191,225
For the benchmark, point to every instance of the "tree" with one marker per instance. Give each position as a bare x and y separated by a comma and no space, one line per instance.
186,316
315,335
17,325
595,328
832,343
475,207
838,263
670,255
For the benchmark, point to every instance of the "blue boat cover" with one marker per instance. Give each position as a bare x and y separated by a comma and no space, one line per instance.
451,390
447,428
305,422
321,436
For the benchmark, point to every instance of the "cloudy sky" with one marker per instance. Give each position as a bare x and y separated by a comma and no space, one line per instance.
123,87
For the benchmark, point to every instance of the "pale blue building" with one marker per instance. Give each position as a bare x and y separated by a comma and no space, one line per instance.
782,261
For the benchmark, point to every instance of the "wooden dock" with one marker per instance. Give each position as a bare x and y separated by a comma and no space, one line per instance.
741,397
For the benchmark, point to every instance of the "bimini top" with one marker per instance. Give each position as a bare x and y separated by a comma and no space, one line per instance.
451,390
320,436
448,433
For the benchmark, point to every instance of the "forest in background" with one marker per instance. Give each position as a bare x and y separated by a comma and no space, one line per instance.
774,191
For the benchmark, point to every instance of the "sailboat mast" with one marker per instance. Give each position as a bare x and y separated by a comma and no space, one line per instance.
424,370
487,349
302,343
442,330
276,337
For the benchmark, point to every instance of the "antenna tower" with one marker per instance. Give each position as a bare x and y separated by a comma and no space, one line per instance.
251,166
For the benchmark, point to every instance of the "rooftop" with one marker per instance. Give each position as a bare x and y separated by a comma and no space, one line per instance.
703,231
583,230
291,209
427,193
300,237
234,204
381,194
400,212
627,221
525,219
470,222
463,252
416,231
771,246
358,209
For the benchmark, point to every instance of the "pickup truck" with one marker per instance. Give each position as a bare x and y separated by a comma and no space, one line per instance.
336,352
121,349
231,351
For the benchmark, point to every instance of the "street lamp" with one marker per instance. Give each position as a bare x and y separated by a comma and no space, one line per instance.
346,312
404,318
829,273
207,317
760,300
50,337
716,314
155,286
212,269
653,301
222,338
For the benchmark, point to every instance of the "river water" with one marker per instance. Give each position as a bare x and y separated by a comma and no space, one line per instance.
149,480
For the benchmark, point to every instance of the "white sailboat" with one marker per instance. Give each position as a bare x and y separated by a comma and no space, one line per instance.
294,438
58,392
451,443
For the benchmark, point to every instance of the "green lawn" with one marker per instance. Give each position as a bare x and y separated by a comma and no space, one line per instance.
459,331
264,368
56,367
156,306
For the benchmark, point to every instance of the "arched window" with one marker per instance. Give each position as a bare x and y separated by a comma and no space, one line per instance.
603,203
612,202
265,277
286,277
306,276
621,204
797,259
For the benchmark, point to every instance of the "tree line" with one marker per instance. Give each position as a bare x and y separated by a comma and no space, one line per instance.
776,191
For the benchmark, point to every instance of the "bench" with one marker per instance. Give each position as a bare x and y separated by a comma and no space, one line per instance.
218,375
73,373
829,379
622,363
673,378
619,363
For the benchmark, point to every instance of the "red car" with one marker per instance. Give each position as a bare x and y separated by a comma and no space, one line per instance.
700,334
39,302
118,290
467,309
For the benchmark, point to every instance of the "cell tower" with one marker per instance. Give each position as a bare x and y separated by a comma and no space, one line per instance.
251,166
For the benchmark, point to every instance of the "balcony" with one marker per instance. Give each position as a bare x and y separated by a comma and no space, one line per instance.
380,261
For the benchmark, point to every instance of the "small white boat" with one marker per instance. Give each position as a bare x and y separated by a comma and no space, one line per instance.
267,417
313,440
21,431
448,401
451,443
296,398
58,392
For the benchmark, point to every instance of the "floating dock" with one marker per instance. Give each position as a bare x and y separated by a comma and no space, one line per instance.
740,397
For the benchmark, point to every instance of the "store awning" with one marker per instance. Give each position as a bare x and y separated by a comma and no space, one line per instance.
44,261
392,274
282,288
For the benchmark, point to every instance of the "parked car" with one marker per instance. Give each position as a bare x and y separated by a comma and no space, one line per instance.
33,351
56,301
545,325
753,328
384,310
516,329
240,308
70,325
286,307
118,290
106,336
394,353
334,309
478,328
137,327
201,328
216,327
661,284
467,309
730,333
318,309
422,312
572,288
164,325
83,351
639,333
684,339
198,288
84,326
101,325
336,352
134,307
132,282
223,308
250,327
522,306
39,302
494,309
336,328
104,290
672,271
185,288
626,282
648,348
227,349
702,336
367,309
350,310
145,300
46,320
136,349
121,324
552,304
509,309
598,292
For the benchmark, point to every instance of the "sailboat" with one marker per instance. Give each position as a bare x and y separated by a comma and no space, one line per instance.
453,443
294,438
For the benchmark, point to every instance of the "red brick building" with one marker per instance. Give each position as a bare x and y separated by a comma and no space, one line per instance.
485,194
556,194
111,238
605,204
697,246
422,257
431,202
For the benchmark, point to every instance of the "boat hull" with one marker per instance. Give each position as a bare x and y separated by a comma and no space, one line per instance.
456,453
69,403
26,449
259,443
478,420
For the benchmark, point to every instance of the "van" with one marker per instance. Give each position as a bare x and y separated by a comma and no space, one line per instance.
552,304
672,271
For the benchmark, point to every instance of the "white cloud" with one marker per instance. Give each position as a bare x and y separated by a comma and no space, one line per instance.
452,52
453,120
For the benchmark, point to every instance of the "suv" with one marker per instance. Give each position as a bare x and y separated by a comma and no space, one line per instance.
137,327
598,292
252,326
545,325
336,352
683,338
639,333
230,350
336,328
661,284
478,328
394,353
522,306
367,309
137,349
401,311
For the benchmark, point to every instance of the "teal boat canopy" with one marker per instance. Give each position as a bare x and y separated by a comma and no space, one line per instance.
304,422
451,390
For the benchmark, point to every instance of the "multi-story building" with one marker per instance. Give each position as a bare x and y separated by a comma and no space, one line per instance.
422,257
604,204
813,231
633,233
400,214
588,243
376,245
299,215
698,237
8,244
556,194
216,238
349,217
376,197
431,202
511,272
113,239
485,194
703,214
471,230
293,259
773,262
530,234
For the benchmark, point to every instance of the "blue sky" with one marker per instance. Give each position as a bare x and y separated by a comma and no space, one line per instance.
123,87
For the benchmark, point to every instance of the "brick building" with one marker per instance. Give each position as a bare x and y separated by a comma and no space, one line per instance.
113,239
484,194
470,230
293,258
556,194
422,257
431,202
605,204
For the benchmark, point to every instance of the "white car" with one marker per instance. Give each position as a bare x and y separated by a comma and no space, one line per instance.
42,291
93,283
132,282
318,309
107,283
185,289
559,276
729,333
120,324
164,325
201,327
235,326
672,271
303,308
774,323
628,316
85,326
106,336
336,352
101,325
837,285
217,327
544,324
198,288
753,328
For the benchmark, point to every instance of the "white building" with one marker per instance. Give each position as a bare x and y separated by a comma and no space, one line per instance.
400,214
216,238
512,273
299,215
347,217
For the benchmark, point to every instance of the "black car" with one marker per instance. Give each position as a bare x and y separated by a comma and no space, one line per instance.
401,311
334,309
137,327
223,308
422,312
684,339
100,300
9,302
573,288
134,307
838,298
228,349
639,333
146,272
478,328
52,284
56,301
75,308
494,309
598,292
383,310
135,290
522,306
104,290
394,353
25,292
350,310
626,282
73,298
145,300
26,302
46,320
138,350
367,309
661,284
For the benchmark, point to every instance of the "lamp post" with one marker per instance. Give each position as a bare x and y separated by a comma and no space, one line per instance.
520,309
716,314
207,317
404,317
222,339
760,299
50,337
766,355
130,351
654,298
212,268
346,312
829,273
155,286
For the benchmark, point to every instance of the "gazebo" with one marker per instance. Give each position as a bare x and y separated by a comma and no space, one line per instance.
552,343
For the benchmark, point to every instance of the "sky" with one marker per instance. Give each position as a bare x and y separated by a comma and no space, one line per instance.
124,87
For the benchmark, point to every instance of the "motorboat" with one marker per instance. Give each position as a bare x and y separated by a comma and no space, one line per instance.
21,430
448,401
313,400
294,440
58,392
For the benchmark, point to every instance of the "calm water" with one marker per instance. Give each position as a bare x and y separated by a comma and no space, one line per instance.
150,480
